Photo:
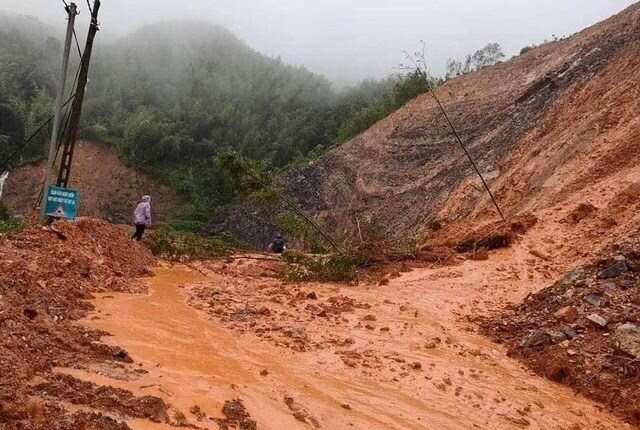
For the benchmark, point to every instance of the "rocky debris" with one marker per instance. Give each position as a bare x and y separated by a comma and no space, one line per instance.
45,285
300,412
495,236
278,312
582,330
104,398
198,413
583,211
627,339
236,417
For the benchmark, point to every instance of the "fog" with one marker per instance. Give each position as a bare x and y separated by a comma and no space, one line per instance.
355,39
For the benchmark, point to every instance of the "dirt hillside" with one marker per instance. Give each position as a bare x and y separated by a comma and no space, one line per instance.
108,188
542,126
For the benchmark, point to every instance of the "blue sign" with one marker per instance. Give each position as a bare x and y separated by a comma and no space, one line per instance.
62,202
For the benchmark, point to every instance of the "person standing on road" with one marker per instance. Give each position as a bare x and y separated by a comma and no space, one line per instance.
142,217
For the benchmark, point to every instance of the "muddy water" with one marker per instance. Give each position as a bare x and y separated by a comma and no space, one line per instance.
469,384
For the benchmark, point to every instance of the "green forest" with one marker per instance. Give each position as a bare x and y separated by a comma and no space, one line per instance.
181,99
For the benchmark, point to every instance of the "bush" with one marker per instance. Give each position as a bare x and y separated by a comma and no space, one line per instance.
324,268
12,225
179,245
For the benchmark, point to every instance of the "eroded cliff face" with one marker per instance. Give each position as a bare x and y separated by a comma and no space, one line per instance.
545,124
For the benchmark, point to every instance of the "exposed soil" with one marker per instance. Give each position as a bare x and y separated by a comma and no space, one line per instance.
47,276
109,189
541,126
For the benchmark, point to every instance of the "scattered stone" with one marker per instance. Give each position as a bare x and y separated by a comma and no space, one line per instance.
197,412
312,296
416,365
121,354
593,299
30,313
568,314
627,339
556,336
573,277
598,320
264,372
570,333
616,269
346,406
537,338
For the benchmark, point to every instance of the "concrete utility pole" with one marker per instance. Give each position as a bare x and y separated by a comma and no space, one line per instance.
72,11
69,143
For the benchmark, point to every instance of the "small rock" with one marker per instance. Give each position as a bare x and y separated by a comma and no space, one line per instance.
121,354
568,314
369,318
323,314
346,406
30,313
598,320
556,336
573,277
264,372
312,296
416,365
593,299
572,352
616,269
383,282
570,333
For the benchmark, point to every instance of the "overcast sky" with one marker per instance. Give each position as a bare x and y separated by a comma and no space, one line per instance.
348,40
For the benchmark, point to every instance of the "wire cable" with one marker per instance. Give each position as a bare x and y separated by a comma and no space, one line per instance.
466,151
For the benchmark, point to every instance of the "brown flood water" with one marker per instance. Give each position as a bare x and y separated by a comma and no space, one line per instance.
192,361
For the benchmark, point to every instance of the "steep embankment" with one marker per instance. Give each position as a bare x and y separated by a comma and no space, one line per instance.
541,126
108,188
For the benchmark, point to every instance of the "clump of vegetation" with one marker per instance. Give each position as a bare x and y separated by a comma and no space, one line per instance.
488,56
174,244
323,268
9,224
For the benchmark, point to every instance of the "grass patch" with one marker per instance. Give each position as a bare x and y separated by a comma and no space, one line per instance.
181,244
324,268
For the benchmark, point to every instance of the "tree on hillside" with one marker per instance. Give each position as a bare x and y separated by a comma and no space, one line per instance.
489,55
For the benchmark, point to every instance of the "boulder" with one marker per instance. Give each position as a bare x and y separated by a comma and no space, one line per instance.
627,339
616,269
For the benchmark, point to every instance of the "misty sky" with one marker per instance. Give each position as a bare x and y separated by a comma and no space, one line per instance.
348,40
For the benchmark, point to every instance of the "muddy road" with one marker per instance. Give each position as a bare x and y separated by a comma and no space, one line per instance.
397,356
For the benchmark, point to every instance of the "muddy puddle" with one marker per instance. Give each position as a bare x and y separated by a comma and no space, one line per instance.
467,383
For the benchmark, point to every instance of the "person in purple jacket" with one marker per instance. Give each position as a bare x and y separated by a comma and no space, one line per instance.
142,217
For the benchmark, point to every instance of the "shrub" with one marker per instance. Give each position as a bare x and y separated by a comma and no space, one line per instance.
324,268
179,245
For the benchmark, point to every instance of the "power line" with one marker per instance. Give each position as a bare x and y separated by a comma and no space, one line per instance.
5,163
466,151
